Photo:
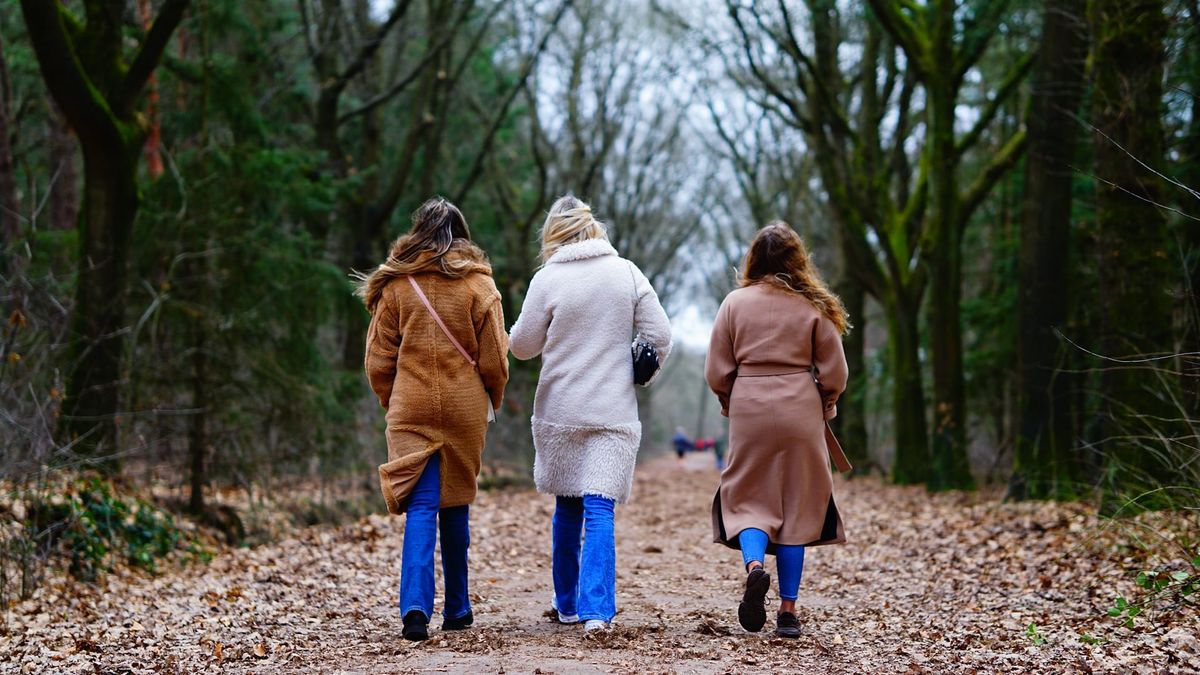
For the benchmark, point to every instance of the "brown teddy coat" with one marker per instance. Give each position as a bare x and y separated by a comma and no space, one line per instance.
435,400
765,342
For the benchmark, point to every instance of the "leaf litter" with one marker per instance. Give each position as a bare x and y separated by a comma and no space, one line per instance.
926,584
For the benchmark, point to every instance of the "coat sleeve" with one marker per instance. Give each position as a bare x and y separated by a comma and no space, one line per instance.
720,366
383,348
830,360
528,336
493,352
650,320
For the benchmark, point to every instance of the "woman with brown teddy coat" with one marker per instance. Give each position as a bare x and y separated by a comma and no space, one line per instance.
437,358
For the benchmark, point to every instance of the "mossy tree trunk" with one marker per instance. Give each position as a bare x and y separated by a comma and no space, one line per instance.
10,220
941,52
1190,176
1045,465
98,90
1137,275
851,422
911,464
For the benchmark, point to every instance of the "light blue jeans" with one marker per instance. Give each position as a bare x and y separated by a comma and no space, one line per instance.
585,572
420,536
789,560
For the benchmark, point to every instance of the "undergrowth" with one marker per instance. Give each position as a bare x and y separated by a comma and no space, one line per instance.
86,527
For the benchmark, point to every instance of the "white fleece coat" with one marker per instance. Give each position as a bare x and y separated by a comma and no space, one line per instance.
581,313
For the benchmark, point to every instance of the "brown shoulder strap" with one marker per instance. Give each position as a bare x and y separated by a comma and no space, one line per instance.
831,442
441,324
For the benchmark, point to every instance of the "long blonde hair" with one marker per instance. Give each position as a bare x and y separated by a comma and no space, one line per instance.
778,255
569,221
439,240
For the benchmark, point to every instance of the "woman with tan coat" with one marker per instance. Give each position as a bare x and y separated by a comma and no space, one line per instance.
776,364
437,358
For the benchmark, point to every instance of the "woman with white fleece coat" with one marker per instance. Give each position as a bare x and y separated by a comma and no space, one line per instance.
582,309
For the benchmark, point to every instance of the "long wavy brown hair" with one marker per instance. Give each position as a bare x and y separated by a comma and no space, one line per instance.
439,240
777,255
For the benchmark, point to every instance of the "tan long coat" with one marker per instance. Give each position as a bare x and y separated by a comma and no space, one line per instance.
435,400
777,478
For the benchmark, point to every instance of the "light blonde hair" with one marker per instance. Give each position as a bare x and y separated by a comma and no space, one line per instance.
569,221
778,255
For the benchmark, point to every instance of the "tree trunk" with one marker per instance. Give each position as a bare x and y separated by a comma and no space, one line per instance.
10,209
1136,276
63,151
198,425
851,422
911,463
110,203
951,469
1045,466
98,93
1190,371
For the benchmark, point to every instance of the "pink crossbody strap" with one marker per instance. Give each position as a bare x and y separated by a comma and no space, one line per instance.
441,324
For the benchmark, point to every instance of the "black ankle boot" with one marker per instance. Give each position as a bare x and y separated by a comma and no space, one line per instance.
787,625
416,626
461,623
752,612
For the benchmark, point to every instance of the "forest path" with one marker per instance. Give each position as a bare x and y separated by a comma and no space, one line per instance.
926,584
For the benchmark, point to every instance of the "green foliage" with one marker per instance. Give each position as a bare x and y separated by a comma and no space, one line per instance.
1168,587
236,295
93,525
233,279
1035,636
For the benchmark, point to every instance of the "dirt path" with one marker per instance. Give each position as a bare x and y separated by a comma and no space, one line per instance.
926,584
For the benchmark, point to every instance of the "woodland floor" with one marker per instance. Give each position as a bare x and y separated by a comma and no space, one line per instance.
941,583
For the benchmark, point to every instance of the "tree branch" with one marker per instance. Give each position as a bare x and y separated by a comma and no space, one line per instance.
795,109
82,105
502,112
401,84
170,15
368,49
1011,82
977,34
1000,164
904,32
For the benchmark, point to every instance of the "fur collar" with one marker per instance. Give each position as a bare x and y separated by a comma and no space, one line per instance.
591,248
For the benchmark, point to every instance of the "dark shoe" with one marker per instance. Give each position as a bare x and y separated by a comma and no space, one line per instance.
416,626
461,623
752,612
787,625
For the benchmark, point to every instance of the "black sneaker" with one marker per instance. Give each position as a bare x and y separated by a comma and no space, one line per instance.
787,625
416,626
461,623
752,612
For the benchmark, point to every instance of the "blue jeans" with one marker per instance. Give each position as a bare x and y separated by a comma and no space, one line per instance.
789,560
585,583
420,535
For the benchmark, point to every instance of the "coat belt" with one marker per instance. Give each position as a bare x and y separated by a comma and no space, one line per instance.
768,370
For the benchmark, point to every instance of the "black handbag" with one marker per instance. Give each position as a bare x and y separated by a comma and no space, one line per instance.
645,363
645,356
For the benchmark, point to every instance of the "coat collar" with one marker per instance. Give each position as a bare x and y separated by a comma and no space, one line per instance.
591,248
